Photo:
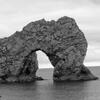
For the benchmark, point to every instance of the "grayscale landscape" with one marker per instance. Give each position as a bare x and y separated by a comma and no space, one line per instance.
49,50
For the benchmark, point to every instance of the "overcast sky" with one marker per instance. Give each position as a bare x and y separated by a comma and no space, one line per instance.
14,14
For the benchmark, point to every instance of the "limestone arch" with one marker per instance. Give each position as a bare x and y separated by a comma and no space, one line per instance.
62,41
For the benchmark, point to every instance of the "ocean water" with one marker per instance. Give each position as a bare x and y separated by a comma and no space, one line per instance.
49,90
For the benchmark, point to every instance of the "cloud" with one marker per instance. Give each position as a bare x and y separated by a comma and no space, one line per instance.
86,18
93,52
96,2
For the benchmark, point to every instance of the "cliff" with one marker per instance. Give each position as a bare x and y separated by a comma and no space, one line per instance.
62,41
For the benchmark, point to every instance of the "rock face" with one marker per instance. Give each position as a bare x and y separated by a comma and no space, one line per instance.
62,41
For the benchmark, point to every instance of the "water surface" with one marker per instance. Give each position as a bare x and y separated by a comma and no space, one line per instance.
48,90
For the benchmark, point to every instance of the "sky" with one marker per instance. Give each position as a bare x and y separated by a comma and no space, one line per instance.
14,14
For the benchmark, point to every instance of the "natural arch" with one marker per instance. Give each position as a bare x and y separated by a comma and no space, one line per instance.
62,41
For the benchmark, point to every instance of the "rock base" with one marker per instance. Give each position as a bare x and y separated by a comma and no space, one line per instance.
83,75
21,79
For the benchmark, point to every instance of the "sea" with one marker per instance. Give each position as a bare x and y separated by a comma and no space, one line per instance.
49,90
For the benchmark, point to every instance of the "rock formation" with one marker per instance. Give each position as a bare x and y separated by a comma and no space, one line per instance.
62,41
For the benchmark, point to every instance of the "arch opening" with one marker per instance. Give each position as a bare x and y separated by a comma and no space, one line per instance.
45,67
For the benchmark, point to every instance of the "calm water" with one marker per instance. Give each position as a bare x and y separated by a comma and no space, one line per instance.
48,90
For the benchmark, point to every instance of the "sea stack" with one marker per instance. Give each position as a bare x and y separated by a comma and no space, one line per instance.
62,41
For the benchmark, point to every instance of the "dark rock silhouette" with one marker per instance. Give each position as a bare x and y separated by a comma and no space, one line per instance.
62,41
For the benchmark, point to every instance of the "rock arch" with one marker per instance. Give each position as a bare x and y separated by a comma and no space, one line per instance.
62,41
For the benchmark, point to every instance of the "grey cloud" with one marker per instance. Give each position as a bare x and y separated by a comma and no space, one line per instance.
97,2
93,37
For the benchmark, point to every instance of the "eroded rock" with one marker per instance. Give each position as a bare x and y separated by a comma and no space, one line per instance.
62,41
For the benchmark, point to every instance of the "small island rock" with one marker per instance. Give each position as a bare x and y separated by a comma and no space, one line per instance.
62,41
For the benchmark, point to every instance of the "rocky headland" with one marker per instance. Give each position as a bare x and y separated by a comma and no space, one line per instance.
62,41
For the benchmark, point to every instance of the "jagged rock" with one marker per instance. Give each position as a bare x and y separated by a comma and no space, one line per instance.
62,41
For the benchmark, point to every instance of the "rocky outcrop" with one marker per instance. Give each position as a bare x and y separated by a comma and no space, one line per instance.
62,41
